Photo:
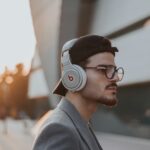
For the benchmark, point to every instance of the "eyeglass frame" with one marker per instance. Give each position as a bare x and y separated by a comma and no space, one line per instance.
105,68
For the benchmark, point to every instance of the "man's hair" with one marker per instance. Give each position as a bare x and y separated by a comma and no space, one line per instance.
89,45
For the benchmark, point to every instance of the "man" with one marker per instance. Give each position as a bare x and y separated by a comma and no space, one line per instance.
89,78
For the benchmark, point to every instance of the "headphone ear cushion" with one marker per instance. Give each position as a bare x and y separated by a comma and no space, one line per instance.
74,78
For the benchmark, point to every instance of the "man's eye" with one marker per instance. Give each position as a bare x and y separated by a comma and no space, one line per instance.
101,69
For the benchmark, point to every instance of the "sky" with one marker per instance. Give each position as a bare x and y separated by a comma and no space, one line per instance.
16,34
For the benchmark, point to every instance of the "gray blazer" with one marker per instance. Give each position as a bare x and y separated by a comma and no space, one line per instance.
65,129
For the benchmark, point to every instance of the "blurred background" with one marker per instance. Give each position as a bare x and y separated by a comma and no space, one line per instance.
32,34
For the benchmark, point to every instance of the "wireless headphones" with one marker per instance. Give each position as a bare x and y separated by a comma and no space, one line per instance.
73,76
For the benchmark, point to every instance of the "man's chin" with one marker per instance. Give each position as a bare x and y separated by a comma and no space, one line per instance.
109,101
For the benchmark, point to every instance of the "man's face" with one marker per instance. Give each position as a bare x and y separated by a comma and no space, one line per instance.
99,88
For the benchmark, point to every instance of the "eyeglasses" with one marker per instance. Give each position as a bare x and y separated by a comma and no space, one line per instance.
109,71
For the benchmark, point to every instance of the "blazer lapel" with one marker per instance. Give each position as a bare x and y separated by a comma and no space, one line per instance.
80,124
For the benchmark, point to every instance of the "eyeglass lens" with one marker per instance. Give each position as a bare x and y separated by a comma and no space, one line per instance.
111,71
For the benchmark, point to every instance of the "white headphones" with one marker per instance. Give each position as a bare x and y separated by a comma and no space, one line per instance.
73,76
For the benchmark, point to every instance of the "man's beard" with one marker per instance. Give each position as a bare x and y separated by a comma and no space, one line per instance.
108,101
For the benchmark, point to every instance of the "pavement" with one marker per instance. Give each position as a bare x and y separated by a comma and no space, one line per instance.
121,142
19,135
16,135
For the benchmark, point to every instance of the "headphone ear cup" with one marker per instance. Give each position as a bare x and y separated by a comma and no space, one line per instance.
74,78
83,77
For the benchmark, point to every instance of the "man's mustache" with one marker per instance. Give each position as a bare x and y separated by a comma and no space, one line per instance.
112,85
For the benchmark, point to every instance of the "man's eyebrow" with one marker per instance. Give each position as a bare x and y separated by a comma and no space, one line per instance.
106,65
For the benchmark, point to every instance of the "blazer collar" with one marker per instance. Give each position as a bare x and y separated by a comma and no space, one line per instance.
80,124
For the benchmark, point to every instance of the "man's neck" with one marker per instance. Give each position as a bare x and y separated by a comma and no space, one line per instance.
85,107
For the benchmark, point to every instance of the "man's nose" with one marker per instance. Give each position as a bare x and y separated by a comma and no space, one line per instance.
115,78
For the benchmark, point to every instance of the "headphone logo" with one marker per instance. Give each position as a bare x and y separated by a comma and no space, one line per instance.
70,77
